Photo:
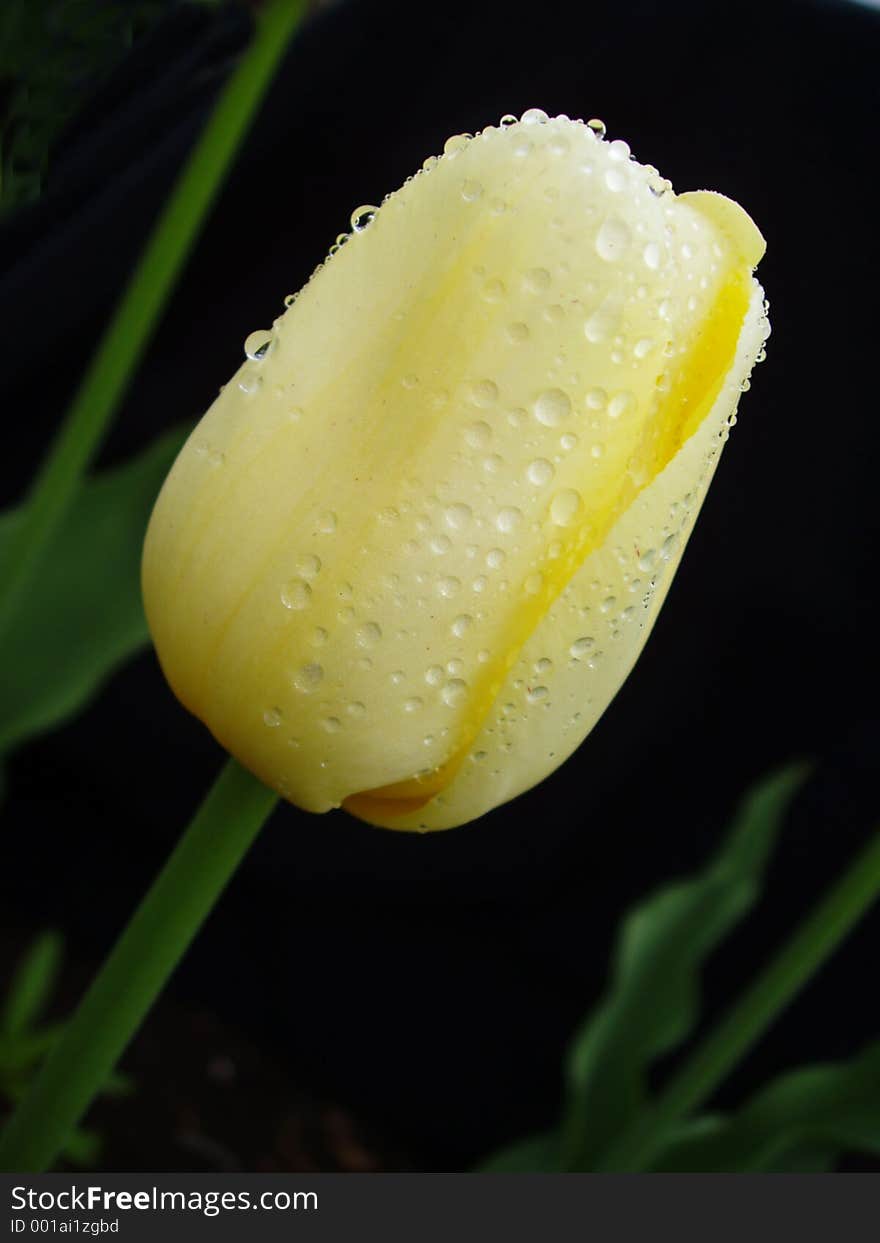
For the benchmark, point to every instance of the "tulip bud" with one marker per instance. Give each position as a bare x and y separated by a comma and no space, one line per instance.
415,546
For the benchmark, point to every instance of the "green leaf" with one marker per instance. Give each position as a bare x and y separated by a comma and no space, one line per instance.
653,1000
802,1122
83,617
32,985
83,1147
22,1051
539,1154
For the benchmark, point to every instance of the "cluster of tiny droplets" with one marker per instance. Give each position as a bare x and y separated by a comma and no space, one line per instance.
491,536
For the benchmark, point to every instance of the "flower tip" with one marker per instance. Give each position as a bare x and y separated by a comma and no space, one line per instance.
731,220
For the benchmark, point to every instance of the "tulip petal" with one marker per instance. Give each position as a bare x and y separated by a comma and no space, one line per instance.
579,656
384,512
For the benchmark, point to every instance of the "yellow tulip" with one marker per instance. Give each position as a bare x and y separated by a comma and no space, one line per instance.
411,552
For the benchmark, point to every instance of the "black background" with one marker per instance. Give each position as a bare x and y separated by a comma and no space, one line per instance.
430,983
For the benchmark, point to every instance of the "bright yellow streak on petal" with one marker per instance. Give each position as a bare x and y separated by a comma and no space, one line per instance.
689,401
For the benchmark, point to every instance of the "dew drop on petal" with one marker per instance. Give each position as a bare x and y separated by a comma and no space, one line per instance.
257,344
552,407
477,435
363,216
613,239
565,506
536,280
296,594
308,678
652,255
540,472
453,692
508,519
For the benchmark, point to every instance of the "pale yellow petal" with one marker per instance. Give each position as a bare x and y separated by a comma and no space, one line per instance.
368,531
578,657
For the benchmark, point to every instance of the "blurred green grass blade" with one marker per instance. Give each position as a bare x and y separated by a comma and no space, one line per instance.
126,337
539,1154
32,985
653,1000
82,617
802,1121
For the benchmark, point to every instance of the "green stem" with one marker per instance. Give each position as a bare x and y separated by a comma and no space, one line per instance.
138,967
126,337
808,949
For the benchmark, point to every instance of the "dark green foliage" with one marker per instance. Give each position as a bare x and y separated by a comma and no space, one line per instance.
84,617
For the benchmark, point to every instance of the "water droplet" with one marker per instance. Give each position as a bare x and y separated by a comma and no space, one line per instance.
568,441
668,547
608,604
462,624
603,322
597,399
564,507
647,559
296,594
453,692
518,332
597,126
536,693
495,558
327,522
249,381
458,516
536,280
309,566
621,403
478,435
308,678
362,216
448,586
652,255
616,180
618,151
368,634
494,290
256,345
471,191
507,120
332,724
273,717
540,472
597,450
480,583
456,143
410,380
483,393
552,407
534,116
319,636
580,647
413,704
613,239
544,665
643,347
508,519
